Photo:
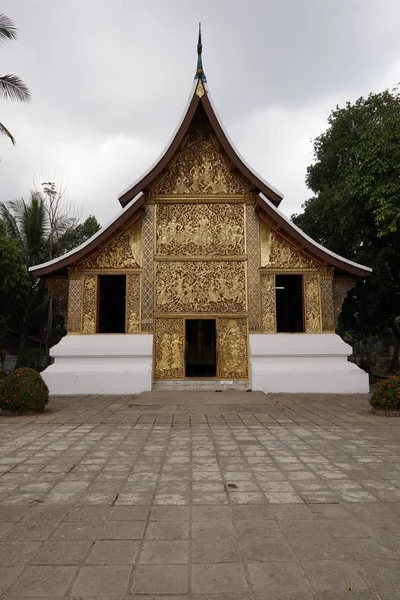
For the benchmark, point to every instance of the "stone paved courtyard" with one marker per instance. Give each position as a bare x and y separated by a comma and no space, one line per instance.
207,496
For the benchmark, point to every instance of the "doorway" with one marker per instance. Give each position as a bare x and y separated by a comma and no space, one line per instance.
112,294
200,348
289,304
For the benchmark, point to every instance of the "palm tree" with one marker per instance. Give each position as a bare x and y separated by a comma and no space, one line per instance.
11,86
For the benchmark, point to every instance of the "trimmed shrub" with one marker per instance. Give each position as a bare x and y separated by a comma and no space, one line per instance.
387,394
24,391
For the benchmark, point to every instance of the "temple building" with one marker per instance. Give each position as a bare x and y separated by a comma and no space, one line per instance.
200,282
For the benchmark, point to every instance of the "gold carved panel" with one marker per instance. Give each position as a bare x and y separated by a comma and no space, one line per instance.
312,303
169,349
253,269
122,252
132,320
268,303
199,169
89,304
75,288
327,311
148,269
341,285
200,287
200,229
232,347
278,253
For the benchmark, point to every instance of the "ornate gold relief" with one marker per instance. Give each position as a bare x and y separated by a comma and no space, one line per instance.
148,269
327,311
122,252
253,269
59,289
199,170
232,340
278,253
200,229
89,304
132,303
200,91
169,349
200,287
268,303
341,285
312,303
75,288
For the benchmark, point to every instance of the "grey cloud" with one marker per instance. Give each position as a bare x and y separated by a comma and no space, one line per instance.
109,82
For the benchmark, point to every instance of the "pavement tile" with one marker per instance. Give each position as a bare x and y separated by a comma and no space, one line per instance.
113,552
212,579
122,530
79,531
169,513
8,575
167,530
30,531
277,577
160,579
163,552
98,581
61,553
334,576
380,575
16,553
38,581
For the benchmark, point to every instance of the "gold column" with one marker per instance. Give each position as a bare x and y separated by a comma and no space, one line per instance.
169,347
232,349
253,268
147,269
75,292
132,320
268,302
89,304
326,284
312,301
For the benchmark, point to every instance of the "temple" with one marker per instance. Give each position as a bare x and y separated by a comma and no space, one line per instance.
200,282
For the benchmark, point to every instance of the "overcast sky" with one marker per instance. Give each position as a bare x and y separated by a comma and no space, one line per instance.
110,78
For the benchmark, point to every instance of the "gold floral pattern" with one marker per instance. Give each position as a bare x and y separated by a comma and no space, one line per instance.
122,252
89,304
199,169
200,287
133,303
278,253
169,348
268,309
200,229
232,348
312,303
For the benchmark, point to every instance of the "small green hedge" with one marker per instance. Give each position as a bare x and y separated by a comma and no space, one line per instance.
24,391
387,394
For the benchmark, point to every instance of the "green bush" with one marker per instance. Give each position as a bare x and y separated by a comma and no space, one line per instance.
24,390
387,394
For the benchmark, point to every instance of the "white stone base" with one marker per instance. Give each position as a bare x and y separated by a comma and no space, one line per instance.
101,364
304,363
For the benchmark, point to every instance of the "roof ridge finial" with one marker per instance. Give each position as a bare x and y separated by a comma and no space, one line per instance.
200,71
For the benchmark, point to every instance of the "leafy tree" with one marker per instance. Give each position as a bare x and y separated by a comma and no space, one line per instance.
355,210
11,86
14,279
40,229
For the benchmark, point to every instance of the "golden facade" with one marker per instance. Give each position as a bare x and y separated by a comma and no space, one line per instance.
200,250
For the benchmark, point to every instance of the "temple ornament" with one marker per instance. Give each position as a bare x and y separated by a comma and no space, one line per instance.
132,321
312,303
89,304
268,309
200,229
168,349
199,170
232,348
278,253
198,287
122,252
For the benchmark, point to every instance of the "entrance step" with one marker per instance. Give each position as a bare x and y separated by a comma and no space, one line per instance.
204,385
